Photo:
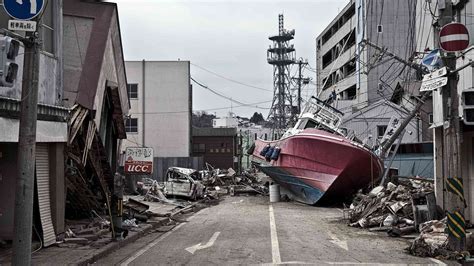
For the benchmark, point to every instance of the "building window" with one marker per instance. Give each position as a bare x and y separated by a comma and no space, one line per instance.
379,28
47,27
430,118
381,131
131,125
132,91
200,148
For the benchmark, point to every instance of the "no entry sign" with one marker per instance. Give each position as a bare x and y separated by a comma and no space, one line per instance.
454,37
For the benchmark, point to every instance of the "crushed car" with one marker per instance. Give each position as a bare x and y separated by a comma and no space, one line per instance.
184,182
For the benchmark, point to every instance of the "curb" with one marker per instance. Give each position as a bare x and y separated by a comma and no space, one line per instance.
109,248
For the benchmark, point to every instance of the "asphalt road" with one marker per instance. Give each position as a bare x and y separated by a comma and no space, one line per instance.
249,230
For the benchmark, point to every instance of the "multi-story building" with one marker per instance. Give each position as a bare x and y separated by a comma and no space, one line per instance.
51,132
160,117
160,96
81,64
354,76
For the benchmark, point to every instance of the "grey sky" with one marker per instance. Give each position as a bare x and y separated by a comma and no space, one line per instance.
226,37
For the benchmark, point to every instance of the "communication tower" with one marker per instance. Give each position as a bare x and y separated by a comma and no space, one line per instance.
281,54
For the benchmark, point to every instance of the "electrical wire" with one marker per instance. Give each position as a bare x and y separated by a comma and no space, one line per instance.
224,96
229,79
41,241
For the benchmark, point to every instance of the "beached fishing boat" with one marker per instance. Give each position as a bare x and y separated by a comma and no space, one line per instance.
316,159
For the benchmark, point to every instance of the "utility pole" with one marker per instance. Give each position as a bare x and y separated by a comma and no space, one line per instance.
24,189
300,80
451,136
424,96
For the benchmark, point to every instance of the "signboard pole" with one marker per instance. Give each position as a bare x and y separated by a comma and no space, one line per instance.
24,190
451,147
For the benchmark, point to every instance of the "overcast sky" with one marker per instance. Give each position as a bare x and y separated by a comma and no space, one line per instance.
229,38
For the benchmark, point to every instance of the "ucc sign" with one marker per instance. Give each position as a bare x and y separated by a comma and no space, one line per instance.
138,160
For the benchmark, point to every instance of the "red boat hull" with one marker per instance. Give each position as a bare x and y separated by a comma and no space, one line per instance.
315,164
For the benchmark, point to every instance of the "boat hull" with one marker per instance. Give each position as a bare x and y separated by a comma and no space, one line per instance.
316,165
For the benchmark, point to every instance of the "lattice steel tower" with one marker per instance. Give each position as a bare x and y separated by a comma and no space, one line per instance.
281,54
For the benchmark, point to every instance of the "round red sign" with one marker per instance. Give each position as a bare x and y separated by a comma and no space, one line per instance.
454,37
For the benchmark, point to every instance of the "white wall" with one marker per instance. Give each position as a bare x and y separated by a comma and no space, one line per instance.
225,122
366,123
134,75
167,107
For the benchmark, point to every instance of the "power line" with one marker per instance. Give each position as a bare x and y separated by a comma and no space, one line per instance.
206,110
223,96
231,80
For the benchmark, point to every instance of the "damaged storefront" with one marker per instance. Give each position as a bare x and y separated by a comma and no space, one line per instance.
51,135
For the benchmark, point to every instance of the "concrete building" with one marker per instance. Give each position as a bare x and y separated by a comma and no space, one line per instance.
51,133
160,96
217,146
228,121
350,75
160,117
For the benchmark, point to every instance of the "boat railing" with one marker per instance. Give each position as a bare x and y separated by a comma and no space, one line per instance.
324,114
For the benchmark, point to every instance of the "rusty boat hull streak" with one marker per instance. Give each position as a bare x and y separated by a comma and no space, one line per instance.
315,165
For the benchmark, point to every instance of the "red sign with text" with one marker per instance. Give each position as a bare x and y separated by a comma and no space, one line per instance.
138,160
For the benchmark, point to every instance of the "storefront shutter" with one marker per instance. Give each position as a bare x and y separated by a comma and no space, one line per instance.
42,179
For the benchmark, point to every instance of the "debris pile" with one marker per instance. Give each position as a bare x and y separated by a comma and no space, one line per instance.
88,176
432,240
218,179
83,232
396,208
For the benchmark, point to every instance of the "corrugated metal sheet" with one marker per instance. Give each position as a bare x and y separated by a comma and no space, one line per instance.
42,182
414,165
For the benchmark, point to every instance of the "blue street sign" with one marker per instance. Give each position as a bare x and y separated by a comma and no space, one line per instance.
23,9
433,60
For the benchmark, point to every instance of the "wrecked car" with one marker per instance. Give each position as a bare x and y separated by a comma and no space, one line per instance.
183,182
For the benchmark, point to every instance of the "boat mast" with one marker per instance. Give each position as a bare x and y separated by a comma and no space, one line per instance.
424,96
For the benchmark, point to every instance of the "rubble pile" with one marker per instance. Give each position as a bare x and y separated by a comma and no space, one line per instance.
88,176
395,208
218,179
432,240
84,232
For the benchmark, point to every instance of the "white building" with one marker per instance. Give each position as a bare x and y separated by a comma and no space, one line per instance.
160,96
352,75
229,121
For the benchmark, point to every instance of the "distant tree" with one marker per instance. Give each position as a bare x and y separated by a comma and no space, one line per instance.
257,118
202,119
